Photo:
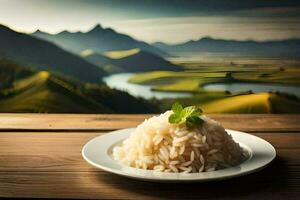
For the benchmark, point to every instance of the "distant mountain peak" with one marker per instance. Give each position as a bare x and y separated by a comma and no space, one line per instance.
96,28
38,31
207,38
63,32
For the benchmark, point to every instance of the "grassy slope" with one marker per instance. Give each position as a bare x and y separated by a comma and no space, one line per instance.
104,62
26,90
178,81
42,92
253,103
243,103
122,53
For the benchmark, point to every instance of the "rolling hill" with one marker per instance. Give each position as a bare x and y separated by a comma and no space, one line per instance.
98,39
280,48
104,62
43,92
43,55
253,103
134,60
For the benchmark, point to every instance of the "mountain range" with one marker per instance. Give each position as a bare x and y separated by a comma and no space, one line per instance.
278,48
43,55
98,39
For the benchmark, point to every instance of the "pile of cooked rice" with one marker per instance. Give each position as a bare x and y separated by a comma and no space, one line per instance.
159,145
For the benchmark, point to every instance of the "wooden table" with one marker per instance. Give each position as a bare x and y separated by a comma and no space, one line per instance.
40,157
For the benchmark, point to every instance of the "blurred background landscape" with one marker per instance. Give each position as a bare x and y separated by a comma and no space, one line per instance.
141,56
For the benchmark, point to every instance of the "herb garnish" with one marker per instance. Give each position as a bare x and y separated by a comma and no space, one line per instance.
189,115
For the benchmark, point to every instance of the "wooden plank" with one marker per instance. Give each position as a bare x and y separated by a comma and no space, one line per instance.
62,151
49,165
275,182
58,122
34,142
73,162
68,121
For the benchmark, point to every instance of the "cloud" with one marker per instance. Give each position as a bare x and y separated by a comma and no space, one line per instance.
179,29
153,20
179,8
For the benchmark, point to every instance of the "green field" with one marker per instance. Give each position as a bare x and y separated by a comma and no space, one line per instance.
253,103
193,80
121,53
242,103
196,74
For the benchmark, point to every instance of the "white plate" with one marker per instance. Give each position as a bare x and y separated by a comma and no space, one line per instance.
98,152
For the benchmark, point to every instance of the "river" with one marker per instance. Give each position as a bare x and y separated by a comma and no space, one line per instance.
120,82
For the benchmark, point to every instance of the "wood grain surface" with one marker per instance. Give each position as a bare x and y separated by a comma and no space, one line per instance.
42,161
70,122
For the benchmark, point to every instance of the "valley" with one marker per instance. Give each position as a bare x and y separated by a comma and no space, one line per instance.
281,75
43,92
104,71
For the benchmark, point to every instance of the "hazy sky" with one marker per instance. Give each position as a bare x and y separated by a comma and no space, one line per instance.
159,20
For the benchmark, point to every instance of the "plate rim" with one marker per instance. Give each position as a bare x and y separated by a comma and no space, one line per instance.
172,179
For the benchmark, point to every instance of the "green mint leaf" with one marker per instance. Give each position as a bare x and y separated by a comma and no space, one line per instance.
177,108
189,115
193,121
174,119
187,111
197,111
